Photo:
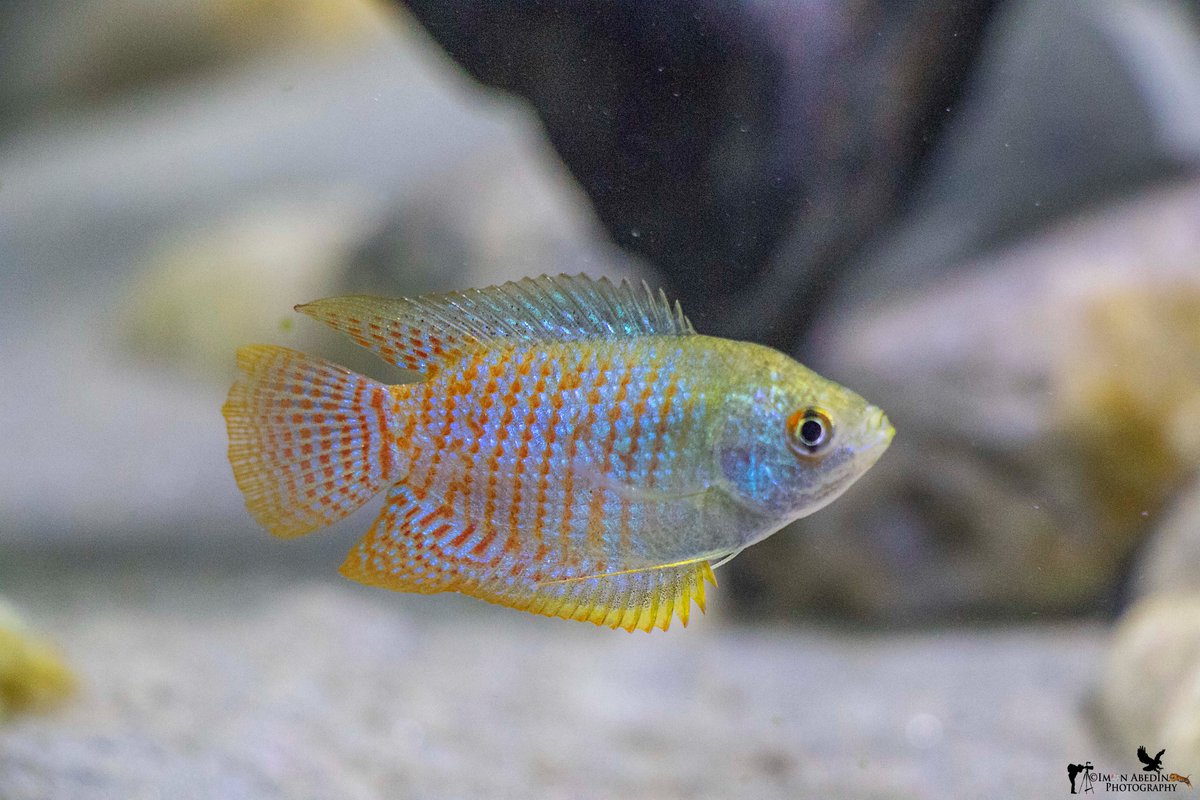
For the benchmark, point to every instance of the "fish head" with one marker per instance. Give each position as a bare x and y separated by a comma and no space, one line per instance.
791,441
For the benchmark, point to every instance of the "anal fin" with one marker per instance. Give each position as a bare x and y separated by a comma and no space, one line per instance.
413,548
406,548
641,599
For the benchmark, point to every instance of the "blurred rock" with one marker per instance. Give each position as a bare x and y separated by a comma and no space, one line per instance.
62,54
486,220
33,676
1044,403
202,293
1019,152
1170,563
505,212
1149,692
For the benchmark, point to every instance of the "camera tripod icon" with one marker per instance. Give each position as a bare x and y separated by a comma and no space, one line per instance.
1082,772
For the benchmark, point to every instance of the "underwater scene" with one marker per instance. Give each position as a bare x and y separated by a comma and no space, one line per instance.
436,399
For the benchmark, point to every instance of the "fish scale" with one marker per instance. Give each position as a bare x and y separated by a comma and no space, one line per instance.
573,449
516,503
594,402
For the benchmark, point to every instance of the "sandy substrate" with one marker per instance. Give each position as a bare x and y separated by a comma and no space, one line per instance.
208,683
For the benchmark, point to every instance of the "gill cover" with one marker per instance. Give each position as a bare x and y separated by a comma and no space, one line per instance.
755,463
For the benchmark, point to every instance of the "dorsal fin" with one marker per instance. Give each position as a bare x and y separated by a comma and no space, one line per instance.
412,332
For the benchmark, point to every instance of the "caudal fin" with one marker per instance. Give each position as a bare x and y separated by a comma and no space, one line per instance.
309,441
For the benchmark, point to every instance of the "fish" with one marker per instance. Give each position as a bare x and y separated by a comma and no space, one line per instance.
573,447
1175,777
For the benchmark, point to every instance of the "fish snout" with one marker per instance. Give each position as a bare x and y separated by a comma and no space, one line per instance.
879,428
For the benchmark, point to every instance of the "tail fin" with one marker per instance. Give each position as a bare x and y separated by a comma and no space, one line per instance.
309,441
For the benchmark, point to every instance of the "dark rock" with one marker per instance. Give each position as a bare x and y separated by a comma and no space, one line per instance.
715,139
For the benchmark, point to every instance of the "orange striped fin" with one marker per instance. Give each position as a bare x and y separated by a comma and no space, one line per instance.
411,548
416,332
309,441
399,331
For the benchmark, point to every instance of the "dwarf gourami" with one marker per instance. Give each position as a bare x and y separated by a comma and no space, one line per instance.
574,449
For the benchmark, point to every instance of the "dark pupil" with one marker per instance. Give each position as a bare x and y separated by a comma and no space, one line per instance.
811,431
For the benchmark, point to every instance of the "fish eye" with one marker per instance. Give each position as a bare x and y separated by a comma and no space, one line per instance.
809,431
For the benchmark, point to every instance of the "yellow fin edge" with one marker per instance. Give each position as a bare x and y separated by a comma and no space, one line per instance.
671,596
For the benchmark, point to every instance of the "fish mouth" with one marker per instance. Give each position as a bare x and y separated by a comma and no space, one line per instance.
879,432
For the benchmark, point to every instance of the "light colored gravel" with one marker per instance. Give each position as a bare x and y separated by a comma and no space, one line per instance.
237,685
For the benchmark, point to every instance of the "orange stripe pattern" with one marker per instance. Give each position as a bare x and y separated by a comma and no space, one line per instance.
309,441
525,455
515,465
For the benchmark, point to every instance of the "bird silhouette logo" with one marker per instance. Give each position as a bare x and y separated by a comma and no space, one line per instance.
1152,764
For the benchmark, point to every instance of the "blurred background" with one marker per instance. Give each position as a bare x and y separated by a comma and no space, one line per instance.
983,215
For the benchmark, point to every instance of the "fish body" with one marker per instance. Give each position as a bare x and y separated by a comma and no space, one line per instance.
574,448
1175,777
